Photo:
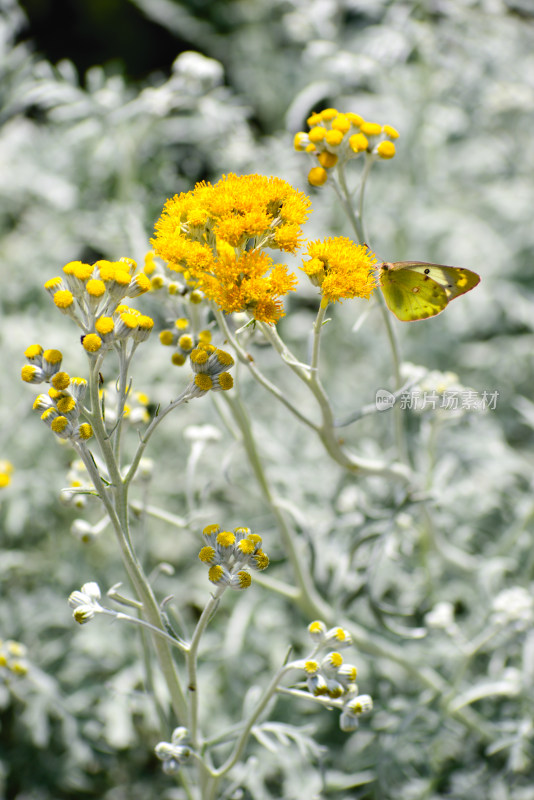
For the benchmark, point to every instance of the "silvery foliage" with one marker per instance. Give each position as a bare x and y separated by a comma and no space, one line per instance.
89,168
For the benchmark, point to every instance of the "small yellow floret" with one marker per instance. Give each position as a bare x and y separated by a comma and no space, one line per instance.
371,128
340,634
341,123
149,267
207,554
209,530
140,283
199,356
386,149
226,539
66,404
156,282
85,431
327,160
166,338
328,114
390,131
317,134
106,270
145,323
92,342
33,351
130,319
178,359
63,298
53,284
336,659
59,424
185,342
311,667
215,573
122,277
224,358
226,381
246,547
315,119
317,626
52,356
333,138
104,325
358,142
311,148
95,287
355,119
317,176
182,323
60,380
244,579
129,263
81,271
261,560
27,373
300,140
196,297
203,382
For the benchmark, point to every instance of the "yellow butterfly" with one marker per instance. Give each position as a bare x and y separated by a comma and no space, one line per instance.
416,290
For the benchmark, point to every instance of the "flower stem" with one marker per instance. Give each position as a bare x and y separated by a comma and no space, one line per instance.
307,598
192,655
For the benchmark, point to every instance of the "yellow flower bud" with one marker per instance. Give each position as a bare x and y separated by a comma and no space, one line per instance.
317,176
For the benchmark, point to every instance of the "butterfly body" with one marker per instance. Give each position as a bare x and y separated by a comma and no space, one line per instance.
416,290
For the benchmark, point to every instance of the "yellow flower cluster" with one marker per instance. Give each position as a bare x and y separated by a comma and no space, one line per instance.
340,268
335,137
12,659
216,234
6,470
230,555
62,406
183,340
210,366
92,295
160,281
135,411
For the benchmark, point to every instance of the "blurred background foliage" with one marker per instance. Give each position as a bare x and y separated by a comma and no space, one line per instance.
109,107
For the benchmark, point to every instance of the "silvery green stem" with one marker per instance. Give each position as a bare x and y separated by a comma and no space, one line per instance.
307,598
241,743
327,430
115,499
191,658
257,374
356,220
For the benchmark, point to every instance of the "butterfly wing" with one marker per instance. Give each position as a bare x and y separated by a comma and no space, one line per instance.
416,290
455,280
410,294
